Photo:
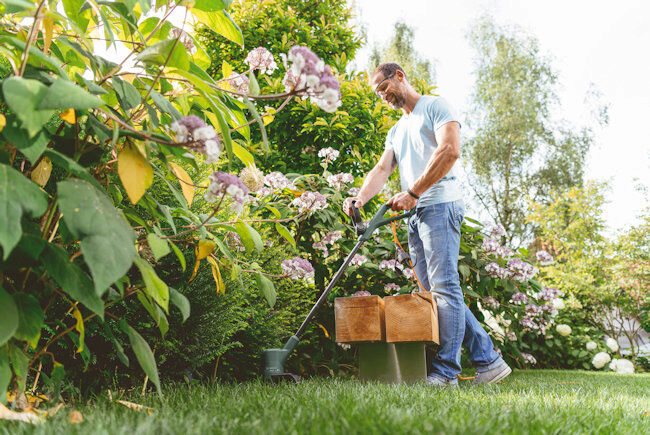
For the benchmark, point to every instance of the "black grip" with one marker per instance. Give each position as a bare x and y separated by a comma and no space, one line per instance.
357,221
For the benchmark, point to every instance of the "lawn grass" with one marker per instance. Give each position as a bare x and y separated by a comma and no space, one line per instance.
532,401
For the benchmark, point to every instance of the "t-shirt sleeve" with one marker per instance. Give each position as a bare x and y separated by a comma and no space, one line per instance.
442,112
388,145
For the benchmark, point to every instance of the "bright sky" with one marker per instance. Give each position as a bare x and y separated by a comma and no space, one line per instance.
597,42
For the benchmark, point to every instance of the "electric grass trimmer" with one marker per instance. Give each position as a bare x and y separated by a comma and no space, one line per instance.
274,359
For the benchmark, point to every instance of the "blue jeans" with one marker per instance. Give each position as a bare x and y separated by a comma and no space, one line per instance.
434,243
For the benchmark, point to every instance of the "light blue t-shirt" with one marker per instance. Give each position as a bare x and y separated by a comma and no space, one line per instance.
413,141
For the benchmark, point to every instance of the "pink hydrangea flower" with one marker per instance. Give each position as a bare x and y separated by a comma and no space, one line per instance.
261,59
310,202
310,75
277,181
358,260
329,154
298,268
544,258
198,136
337,181
223,183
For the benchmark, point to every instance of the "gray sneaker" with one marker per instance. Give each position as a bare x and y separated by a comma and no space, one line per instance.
494,375
437,382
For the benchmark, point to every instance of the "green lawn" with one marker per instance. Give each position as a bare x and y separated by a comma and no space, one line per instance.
534,401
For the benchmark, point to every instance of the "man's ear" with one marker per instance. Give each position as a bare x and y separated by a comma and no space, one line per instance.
400,75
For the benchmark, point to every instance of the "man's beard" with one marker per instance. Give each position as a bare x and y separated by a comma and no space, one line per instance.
397,102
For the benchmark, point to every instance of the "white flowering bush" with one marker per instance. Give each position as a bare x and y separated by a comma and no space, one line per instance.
600,359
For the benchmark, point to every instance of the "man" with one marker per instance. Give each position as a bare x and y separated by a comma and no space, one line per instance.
425,143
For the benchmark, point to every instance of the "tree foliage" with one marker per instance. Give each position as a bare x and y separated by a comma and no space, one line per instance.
519,149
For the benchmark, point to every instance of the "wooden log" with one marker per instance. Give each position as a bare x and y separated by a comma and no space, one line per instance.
411,317
359,319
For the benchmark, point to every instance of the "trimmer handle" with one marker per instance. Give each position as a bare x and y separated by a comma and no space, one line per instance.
378,220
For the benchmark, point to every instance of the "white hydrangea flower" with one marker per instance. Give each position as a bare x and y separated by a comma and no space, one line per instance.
600,359
591,345
563,330
622,366
558,304
612,344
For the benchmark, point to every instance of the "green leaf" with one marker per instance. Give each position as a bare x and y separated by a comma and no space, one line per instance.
464,270
284,232
155,287
107,240
179,255
5,373
118,347
19,364
16,6
180,301
9,316
23,96
165,106
73,11
156,314
158,246
159,53
64,94
32,148
30,318
127,94
267,288
211,5
143,354
220,22
74,281
260,122
18,195
243,154
34,52
253,86
65,162
250,238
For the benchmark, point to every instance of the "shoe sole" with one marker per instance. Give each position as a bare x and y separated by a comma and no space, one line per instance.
500,376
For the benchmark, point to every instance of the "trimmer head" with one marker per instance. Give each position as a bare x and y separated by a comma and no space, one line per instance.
274,360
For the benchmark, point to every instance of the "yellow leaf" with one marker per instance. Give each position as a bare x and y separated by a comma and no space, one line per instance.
297,192
268,118
48,30
205,248
216,274
42,171
196,269
226,69
135,172
68,116
187,185
3,121
324,330
79,327
135,406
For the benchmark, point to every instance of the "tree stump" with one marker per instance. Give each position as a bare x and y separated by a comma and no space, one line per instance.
359,319
411,317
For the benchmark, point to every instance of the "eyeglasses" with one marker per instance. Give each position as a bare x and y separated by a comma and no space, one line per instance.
380,92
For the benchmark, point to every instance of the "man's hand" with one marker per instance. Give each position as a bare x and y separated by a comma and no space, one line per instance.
402,201
347,204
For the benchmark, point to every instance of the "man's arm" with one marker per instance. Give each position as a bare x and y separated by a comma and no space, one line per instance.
442,160
374,181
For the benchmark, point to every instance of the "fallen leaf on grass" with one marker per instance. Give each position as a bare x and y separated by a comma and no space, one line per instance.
75,417
27,417
135,406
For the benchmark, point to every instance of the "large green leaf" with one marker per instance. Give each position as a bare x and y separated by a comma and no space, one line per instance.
63,94
71,278
284,232
19,364
127,94
249,237
32,148
16,6
18,195
220,22
180,301
159,53
72,166
73,11
154,286
35,52
8,316
143,354
107,240
159,247
30,318
5,373
211,5
23,96
267,288
164,105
